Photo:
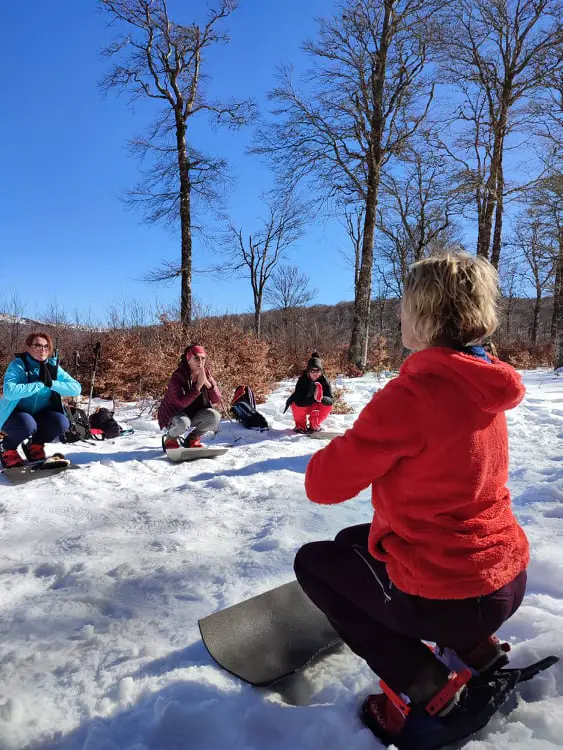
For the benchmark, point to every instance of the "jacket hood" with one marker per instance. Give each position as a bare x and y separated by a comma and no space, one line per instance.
493,386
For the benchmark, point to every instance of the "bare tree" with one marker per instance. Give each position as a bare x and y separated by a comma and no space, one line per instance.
54,314
354,223
557,320
500,55
414,216
546,202
547,193
13,320
511,278
258,255
533,241
163,60
287,289
366,95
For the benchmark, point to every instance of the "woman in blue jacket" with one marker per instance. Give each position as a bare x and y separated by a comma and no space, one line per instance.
31,405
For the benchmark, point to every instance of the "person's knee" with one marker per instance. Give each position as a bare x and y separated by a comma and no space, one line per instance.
207,420
19,426
21,420
216,417
178,425
354,535
63,422
51,425
309,557
60,425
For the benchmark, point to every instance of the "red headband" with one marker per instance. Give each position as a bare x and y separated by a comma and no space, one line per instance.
196,350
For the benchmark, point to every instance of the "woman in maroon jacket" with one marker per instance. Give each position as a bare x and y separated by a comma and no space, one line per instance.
187,403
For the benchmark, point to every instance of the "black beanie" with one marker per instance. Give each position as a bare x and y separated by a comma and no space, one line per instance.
315,361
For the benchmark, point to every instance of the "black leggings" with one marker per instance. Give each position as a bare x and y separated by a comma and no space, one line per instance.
386,626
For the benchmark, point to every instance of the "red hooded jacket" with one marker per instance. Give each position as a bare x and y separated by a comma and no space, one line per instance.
434,446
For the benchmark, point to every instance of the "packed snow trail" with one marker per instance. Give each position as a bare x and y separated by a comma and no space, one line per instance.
105,571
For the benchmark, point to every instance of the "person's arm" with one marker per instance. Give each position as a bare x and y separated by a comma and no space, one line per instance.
177,396
328,398
214,393
386,430
15,385
65,385
304,391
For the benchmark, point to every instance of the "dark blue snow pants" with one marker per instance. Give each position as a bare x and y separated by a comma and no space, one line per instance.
385,626
43,427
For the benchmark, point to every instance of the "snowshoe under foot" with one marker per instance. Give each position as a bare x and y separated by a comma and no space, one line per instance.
477,704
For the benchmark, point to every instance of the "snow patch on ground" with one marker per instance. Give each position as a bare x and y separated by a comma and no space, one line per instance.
105,571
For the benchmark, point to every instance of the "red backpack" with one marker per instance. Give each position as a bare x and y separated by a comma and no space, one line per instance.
243,409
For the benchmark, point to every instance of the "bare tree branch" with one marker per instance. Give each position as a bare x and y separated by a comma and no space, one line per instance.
367,93
163,60
257,255
500,55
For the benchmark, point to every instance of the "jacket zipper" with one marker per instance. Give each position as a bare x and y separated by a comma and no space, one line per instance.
374,574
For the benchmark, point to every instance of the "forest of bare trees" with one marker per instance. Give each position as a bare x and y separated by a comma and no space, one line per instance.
422,125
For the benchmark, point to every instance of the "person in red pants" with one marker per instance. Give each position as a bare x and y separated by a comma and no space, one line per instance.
444,559
311,401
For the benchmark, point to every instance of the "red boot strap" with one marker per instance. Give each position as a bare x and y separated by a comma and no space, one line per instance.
448,692
492,640
395,699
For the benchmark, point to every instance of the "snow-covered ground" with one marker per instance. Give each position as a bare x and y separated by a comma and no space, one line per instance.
105,571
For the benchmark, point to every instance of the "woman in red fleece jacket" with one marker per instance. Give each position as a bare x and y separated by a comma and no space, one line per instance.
444,558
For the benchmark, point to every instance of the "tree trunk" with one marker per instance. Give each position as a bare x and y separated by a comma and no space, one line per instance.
508,318
557,322
357,352
360,325
185,224
257,310
536,318
497,235
557,289
495,180
491,200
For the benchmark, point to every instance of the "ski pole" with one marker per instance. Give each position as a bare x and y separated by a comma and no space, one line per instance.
76,362
97,348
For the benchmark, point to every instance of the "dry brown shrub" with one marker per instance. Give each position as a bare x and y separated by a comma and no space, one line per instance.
138,364
525,356
340,406
378,355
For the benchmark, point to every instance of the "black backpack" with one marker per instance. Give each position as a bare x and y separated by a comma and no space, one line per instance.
102,419
243,409
79,426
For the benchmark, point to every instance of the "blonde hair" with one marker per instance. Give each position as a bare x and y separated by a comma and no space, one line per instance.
451,300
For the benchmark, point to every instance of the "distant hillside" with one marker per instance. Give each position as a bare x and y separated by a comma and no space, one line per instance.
15,319
315,324
385,319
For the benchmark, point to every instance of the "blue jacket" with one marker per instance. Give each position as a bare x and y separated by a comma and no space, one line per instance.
27,392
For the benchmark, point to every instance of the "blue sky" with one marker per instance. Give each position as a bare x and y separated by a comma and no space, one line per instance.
65,236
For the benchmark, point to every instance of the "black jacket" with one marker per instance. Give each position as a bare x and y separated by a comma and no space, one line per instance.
304,393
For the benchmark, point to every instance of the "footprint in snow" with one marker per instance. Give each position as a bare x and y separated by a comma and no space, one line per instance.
554,513
265,545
